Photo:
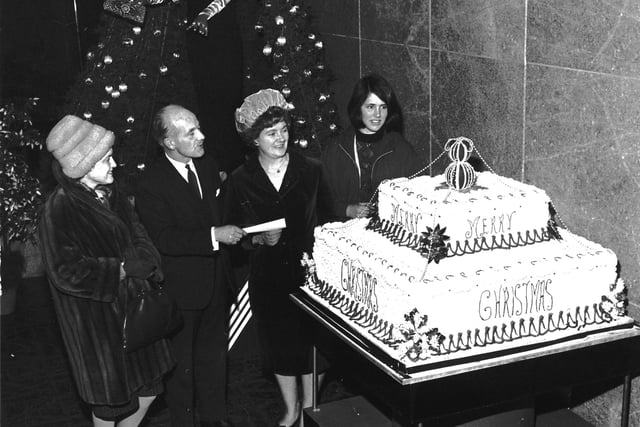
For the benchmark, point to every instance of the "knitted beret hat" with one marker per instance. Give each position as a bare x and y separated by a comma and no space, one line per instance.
255,105
78,145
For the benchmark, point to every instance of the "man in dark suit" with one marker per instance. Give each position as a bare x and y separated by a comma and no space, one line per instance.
177,199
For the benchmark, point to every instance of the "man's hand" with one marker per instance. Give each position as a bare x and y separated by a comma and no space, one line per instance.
200,24
229,234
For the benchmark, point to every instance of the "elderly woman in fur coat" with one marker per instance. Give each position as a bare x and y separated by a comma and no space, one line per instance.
97,256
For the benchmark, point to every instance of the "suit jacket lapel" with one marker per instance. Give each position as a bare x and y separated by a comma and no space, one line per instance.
210,184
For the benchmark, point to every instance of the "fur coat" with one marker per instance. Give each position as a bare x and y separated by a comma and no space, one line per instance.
83,244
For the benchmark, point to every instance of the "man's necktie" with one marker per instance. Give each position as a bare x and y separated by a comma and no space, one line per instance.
193,182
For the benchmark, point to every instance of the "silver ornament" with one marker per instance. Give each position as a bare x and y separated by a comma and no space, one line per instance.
130,120
281,40
267,49
286,91
107,59
127,41
87,115
123,87
137,30
108,89
115,94
105,104
303,143
319,44
279,20
163,69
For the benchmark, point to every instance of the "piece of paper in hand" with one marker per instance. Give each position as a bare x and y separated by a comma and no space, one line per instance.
276,224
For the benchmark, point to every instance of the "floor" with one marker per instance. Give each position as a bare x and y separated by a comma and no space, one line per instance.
37,390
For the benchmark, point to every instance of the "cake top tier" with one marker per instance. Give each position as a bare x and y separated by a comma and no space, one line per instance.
495,207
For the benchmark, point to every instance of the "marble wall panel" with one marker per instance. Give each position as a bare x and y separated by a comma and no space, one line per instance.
338,17
484,28
585,34
480,99
581,147
396,21
407,70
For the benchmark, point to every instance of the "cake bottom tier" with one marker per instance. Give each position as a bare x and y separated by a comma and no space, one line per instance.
418,312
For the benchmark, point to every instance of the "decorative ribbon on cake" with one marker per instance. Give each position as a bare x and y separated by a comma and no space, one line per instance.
400,236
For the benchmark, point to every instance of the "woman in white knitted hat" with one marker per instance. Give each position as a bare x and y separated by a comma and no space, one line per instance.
97,255
276,183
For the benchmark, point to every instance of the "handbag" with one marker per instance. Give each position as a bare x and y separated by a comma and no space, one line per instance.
151,315
133,10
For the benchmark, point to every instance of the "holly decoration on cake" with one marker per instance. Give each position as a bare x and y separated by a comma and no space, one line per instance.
616,303
433,244
459,175
416,340
552,223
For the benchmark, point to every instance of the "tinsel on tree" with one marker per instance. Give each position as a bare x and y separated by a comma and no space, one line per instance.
132,71
296,62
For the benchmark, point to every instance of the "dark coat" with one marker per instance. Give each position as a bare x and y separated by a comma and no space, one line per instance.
303,201
179,223
83,244
394,158
276,271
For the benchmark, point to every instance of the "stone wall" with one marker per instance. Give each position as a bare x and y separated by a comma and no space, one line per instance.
549,90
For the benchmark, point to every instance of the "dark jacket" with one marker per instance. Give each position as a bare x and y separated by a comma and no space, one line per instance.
302,201
394,158
179,223
83,244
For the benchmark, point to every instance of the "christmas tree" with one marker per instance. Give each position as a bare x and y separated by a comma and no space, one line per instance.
295,60
132,71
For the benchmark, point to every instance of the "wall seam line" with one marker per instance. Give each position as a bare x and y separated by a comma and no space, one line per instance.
524,89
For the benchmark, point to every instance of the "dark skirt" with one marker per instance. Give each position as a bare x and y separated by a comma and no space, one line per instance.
285,331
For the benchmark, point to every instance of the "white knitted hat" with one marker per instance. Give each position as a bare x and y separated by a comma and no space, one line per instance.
255,105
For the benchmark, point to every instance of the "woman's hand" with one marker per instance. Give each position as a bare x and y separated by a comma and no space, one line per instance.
272,237
200,25
358,210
